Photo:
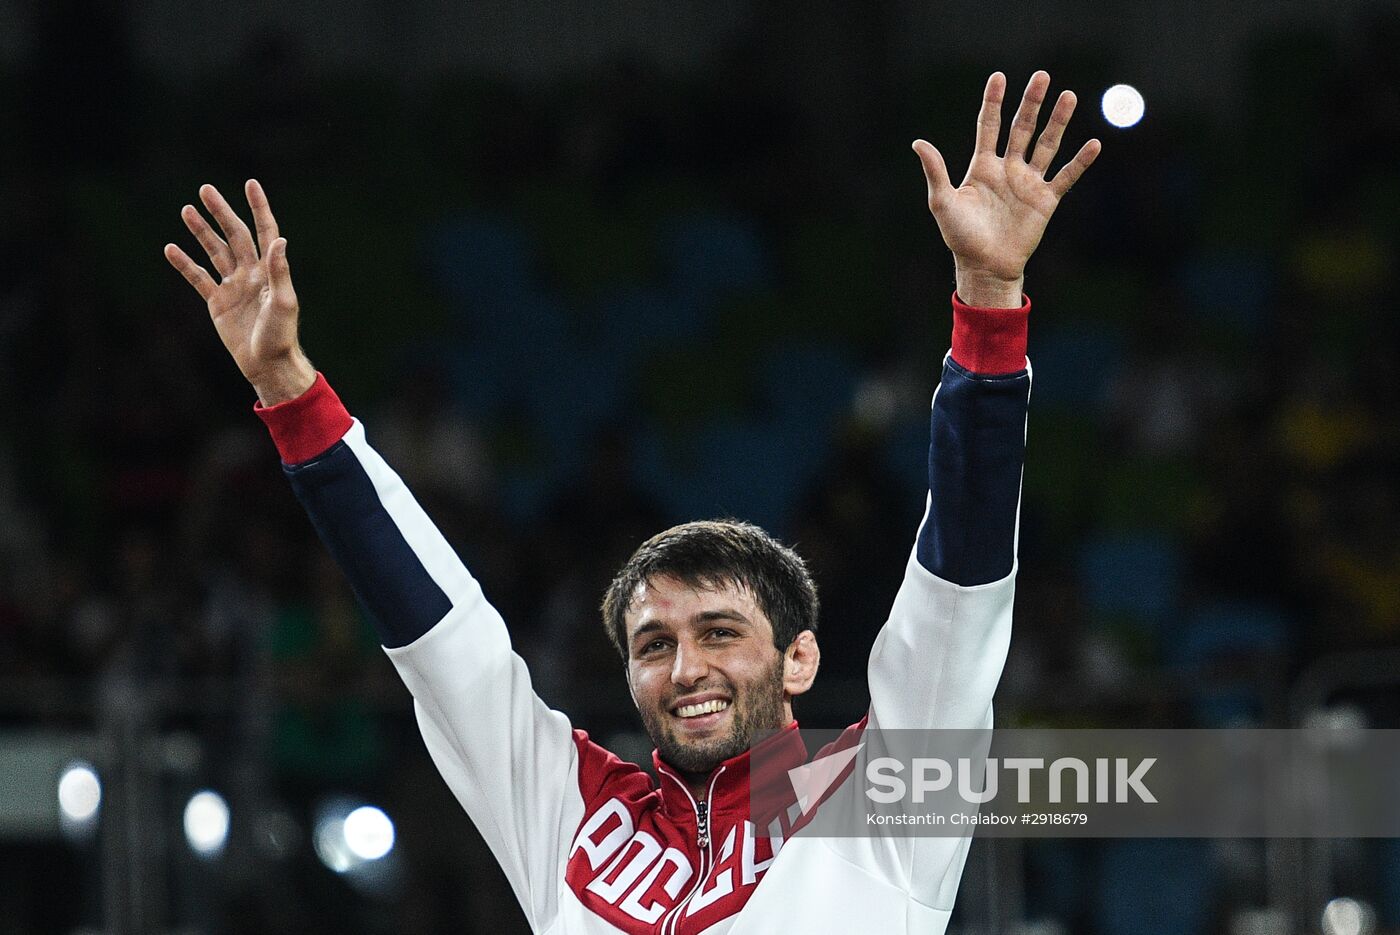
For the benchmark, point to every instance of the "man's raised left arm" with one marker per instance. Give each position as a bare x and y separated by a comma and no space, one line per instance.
937,661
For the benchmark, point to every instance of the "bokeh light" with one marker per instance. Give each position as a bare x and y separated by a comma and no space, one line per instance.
369,833
206,822
1348,917
79,792
1123,106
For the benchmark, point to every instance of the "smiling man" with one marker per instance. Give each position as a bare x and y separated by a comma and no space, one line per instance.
715,621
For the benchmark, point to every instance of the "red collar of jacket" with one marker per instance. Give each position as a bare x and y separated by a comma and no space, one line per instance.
752,785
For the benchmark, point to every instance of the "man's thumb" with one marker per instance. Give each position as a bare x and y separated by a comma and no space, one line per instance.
935,171
279,273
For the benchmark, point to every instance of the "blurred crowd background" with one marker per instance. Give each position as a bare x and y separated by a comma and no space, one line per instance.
608,269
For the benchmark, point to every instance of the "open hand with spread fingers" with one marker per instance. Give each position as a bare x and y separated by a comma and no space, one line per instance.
993,221
253,305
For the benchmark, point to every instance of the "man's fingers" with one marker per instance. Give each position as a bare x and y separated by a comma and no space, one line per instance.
935,172
262,214
989,117
194,274
1067,176
1023,127
279,275
240,241
1049,142
212,243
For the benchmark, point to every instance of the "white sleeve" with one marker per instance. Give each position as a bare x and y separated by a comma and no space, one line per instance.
511,761
937,660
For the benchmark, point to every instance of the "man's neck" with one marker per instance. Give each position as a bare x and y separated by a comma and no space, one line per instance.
698,783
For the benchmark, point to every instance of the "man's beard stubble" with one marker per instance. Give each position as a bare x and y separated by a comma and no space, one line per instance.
757,712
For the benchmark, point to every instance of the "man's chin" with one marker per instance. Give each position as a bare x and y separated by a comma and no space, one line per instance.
699,752
700,756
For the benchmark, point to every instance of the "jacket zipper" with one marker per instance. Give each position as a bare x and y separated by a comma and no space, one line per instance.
702,817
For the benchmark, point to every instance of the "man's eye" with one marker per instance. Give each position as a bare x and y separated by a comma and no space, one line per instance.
721,632
654,645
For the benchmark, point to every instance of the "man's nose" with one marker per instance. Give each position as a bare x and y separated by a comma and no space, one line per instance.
690,665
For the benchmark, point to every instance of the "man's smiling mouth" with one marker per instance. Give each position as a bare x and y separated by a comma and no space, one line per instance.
713,706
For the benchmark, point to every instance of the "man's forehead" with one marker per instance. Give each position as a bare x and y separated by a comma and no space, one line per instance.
666,596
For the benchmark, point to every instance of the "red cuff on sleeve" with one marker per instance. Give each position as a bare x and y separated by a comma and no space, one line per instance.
307,426
990,340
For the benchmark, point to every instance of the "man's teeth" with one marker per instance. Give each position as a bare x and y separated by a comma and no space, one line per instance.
704,707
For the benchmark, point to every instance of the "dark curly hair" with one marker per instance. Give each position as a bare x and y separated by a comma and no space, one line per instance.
713,553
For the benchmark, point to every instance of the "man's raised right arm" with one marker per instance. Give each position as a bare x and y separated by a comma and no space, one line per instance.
511,761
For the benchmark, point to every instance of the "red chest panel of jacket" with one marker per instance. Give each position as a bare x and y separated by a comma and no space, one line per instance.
651,858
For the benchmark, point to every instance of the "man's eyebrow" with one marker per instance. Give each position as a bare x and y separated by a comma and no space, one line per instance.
726,614
649,627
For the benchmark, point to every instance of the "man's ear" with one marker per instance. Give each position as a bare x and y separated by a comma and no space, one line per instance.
800,663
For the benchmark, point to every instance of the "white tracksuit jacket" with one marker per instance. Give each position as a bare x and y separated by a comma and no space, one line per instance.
593,844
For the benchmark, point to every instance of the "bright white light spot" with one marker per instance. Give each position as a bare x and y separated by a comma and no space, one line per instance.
206,822
369,833
1123,105
1348,917
79,792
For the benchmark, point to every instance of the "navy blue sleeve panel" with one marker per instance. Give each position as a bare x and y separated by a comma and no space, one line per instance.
976,450
402,598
